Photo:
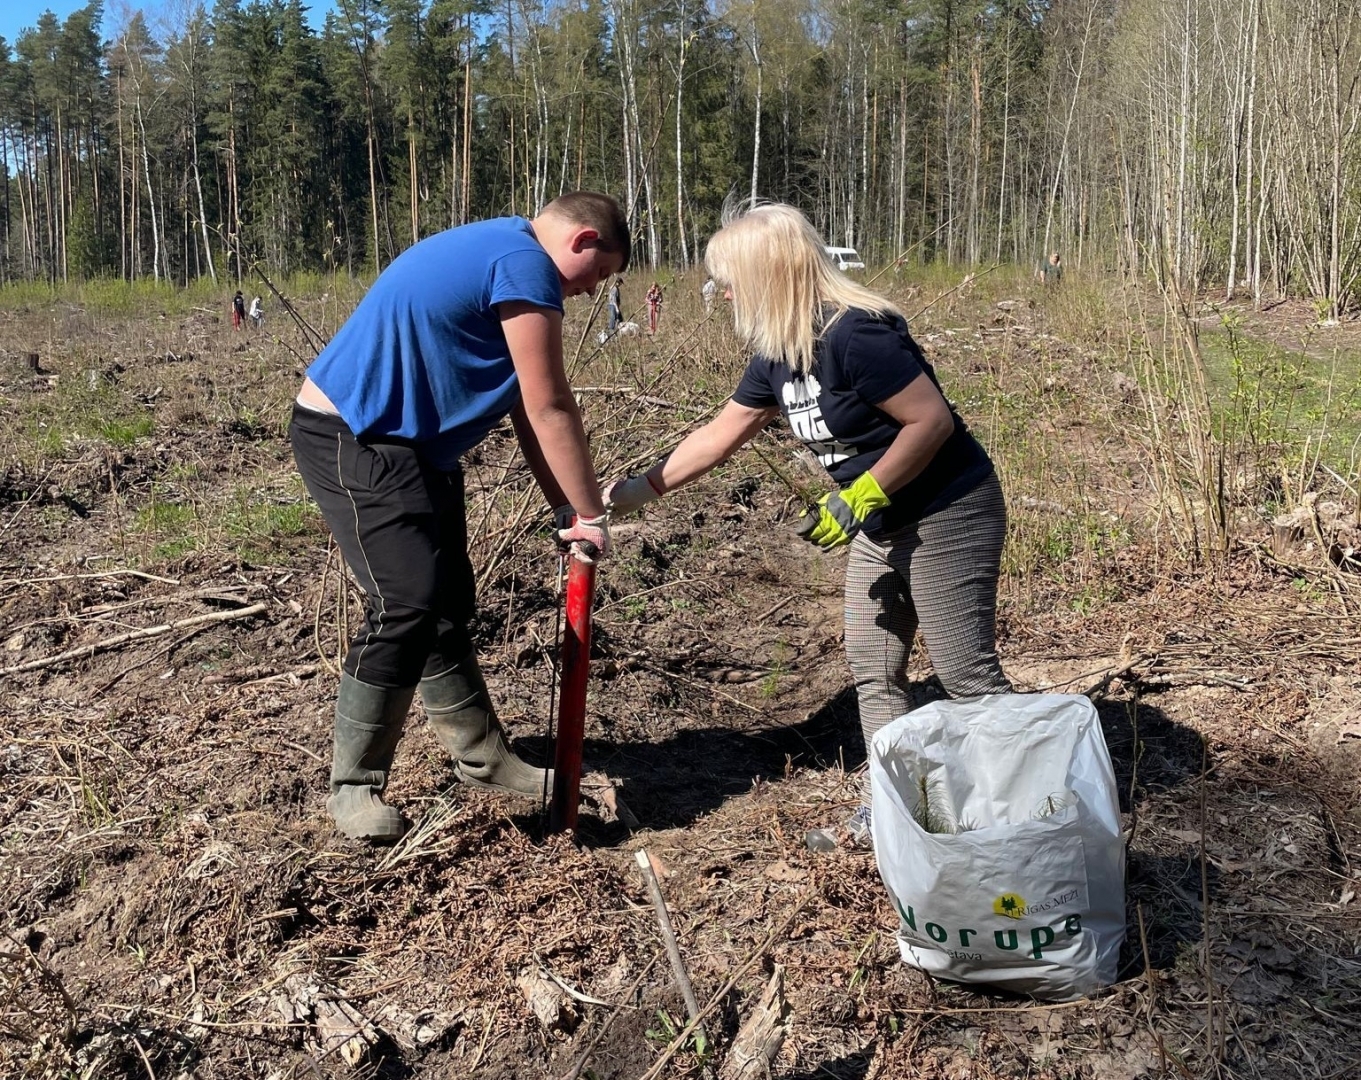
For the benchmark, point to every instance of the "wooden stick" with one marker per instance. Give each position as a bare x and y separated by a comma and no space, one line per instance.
714,1002
135,635
654,889
81,577
772,609
24,505
1117,672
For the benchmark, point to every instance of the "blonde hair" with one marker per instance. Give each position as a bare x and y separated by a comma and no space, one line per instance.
786,291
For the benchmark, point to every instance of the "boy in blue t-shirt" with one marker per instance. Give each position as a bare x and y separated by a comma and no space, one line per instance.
463,329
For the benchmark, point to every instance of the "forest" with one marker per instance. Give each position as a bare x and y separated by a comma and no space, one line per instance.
1208,145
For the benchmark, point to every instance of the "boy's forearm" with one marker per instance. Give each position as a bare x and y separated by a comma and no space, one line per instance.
538,466
559,439
551,425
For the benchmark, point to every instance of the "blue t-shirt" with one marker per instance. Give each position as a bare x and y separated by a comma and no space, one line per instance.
423,357
861,361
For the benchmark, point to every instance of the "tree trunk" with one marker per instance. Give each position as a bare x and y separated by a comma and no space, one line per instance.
755,46
510,50
680,158
1249,154
150,191
134,199
1067,128
1006,146
192,136
62,220
411,164
5,276
467,124
125,267
233,197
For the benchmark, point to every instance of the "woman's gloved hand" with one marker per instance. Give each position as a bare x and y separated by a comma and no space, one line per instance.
630,494
837,517
587,531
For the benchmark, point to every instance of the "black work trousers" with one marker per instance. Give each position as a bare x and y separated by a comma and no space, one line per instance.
402,527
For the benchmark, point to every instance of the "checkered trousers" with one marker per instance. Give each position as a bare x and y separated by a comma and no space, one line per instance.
940,574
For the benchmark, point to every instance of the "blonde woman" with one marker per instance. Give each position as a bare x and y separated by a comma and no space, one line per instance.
919,503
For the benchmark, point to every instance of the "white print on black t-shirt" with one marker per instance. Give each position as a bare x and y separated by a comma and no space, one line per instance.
805,419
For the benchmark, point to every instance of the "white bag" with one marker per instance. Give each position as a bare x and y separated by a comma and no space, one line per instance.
997,831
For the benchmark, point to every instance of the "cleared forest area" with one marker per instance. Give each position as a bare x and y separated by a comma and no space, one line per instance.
177,904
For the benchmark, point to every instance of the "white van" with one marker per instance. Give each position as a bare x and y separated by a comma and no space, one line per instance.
846,258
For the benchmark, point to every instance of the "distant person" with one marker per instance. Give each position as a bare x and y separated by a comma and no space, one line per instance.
709,291
1051,270
238,310
654,307
616,304
460,331
257,313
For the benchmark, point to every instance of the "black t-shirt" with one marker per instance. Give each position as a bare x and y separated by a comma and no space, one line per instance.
860,361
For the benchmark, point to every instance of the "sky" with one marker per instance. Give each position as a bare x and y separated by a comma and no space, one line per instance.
18,15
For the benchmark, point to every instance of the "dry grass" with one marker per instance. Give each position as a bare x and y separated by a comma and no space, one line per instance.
177,905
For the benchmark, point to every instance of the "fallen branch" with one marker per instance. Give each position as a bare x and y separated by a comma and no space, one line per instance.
772,609
654,890
259,673
1119,672
1195,678
135,635
39,486
96,574
757,1045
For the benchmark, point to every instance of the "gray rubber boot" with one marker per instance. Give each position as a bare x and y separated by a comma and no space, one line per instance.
465,723
369,723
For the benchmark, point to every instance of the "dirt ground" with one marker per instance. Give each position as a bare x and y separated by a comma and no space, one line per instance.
176,903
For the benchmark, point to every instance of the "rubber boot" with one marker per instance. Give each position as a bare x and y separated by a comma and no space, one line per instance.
369,723
465,723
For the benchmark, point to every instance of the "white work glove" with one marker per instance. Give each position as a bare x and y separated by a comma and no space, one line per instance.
592,531
630,494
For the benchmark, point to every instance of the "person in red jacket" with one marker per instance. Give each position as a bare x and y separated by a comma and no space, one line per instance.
654,307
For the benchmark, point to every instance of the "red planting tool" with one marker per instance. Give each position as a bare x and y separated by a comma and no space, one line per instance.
575,667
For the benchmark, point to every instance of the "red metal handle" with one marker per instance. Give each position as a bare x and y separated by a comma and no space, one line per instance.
576,660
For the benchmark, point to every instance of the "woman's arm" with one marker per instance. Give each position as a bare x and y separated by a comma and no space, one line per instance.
700,451
709,446
927,423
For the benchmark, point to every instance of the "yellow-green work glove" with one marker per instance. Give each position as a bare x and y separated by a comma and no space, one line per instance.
839,516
